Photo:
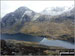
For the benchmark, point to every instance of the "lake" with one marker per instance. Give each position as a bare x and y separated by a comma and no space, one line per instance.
41,40
59,43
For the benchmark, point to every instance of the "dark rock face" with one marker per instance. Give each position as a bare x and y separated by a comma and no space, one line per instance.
20,11
43,18
18,17
8,20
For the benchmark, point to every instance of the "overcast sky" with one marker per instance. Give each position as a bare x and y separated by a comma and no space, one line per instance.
37,6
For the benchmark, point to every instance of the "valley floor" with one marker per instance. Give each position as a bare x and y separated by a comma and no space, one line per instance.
14,47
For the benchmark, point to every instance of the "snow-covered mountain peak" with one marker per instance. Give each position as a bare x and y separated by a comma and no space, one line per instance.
55,10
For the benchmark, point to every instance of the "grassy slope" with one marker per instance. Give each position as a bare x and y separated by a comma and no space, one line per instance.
46,28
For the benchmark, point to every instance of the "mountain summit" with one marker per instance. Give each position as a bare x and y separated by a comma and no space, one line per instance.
54,10
17,18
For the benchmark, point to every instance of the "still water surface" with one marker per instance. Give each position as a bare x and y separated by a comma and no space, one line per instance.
41,40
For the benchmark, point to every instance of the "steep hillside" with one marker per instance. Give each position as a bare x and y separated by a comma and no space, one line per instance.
14,21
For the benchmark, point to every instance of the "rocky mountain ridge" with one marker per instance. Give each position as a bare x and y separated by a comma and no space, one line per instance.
27,21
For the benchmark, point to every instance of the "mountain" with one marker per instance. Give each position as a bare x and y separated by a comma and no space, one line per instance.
63,16
24,20
47,25
66,16
55,10
17,18
24,14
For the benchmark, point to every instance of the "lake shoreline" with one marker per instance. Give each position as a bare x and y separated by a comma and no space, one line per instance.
70,39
